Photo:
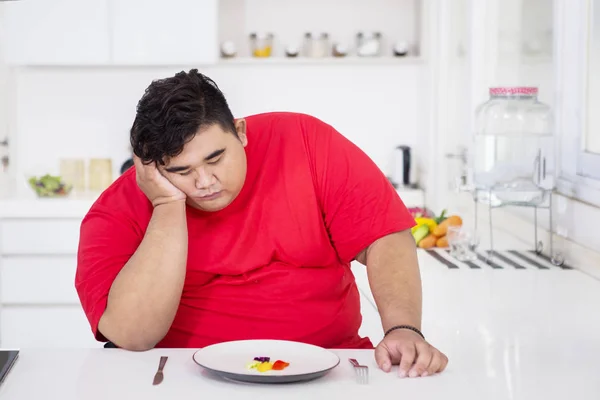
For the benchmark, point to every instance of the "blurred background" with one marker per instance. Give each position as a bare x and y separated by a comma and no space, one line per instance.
406,80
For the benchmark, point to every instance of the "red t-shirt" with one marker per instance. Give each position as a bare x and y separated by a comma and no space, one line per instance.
275,263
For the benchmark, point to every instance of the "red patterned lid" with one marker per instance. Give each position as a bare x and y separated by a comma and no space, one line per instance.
528,91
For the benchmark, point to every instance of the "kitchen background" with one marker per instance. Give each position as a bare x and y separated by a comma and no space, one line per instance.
85,111
74,97
72,71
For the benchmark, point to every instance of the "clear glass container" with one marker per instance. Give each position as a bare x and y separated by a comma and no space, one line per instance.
261,44
100,174
513,157
72,171
316,45
368,44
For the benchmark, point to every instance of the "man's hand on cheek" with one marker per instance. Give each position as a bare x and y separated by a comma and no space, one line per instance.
155,186
411,352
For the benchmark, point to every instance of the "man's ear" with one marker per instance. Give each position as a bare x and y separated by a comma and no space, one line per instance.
240,128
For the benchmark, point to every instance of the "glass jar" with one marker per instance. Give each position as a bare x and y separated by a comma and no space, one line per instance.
72,171
261,44
368,44
513,157
316,45
100,174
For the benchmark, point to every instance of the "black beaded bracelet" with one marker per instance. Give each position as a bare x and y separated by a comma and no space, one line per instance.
412,328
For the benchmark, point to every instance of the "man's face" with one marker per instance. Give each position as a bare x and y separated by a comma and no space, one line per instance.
211,169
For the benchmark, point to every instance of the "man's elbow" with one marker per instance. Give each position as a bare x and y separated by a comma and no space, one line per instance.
127,337
135,345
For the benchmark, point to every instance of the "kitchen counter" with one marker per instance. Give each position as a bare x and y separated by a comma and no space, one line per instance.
540,372
527,333
25,204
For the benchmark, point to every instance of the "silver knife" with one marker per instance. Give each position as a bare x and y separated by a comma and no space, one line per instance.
158,377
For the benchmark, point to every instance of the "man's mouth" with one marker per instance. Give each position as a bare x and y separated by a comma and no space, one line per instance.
211,196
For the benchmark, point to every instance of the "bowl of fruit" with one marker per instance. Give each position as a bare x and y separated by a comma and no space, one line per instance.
430,231
49,186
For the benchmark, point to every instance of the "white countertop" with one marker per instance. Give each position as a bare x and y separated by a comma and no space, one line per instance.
26,207
510,334
117,374
23,203
19,201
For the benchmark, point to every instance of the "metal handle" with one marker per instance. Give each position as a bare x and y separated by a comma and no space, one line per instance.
161,364
354,362
544,168
462,154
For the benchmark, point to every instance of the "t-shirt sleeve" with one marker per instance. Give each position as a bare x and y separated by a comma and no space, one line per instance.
107,240
358,202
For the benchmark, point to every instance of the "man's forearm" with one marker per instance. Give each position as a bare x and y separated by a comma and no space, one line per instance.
145,295
395,280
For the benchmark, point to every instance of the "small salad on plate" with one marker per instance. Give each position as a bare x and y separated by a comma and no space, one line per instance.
49,186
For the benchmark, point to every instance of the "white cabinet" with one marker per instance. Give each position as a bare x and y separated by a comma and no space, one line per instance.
56,32
38,280
110,32
164,32
39,306
47,327
39,236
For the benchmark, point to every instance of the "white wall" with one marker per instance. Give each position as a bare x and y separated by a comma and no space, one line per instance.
87,112
593,117
3,95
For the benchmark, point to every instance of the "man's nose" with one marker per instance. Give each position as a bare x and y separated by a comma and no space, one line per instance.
204,179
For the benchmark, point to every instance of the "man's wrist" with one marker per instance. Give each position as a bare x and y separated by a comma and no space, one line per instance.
394,318
173,208
404,327
169,204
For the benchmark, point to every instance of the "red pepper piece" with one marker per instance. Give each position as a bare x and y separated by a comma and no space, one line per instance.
279,365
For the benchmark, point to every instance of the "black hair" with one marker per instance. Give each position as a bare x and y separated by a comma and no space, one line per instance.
173,110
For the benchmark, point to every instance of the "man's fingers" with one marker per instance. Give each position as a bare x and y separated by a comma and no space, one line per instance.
444,362
408,353
141,169
435,365
383,358
424,355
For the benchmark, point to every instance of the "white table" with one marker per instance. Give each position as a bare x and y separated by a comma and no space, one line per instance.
510,335
117,374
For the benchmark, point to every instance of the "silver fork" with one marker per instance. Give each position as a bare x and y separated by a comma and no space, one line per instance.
362,371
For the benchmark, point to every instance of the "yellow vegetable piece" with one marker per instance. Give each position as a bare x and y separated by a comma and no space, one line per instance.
426,221
264,367
252,365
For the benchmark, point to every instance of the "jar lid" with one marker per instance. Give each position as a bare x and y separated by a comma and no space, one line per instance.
369,35
526,90
314,35
261,35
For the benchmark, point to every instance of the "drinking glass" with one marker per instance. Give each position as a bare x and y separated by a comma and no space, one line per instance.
462,243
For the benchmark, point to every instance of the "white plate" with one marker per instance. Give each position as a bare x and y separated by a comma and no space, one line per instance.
230,360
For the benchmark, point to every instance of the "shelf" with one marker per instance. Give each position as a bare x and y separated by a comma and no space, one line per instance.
396,21
350,60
